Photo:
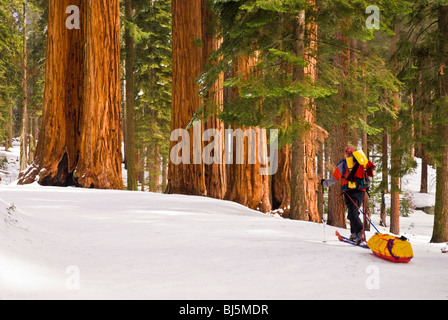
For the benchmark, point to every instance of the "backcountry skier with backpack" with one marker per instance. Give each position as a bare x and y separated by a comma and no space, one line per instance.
355,170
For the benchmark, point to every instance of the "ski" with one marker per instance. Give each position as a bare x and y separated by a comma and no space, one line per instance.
347,240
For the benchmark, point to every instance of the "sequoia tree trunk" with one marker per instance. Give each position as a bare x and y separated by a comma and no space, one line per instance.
59,137
245,183
186,178
80,137
215,173
100,155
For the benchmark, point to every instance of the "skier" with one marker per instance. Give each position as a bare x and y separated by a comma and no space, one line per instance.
355,184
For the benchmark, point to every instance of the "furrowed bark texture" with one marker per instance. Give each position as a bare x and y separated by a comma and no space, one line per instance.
187,66
80,138
100,152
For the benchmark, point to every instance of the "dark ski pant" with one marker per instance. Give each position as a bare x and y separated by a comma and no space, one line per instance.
356,196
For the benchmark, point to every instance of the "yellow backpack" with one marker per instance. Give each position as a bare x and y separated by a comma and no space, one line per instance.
391,248
359,158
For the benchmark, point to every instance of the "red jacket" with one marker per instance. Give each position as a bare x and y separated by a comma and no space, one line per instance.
342,171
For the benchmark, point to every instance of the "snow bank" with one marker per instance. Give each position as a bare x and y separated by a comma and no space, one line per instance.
72,243
9,171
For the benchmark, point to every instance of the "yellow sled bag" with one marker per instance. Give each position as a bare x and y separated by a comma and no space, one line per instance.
391,248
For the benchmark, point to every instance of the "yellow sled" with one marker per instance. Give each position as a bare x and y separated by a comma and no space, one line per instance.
391,248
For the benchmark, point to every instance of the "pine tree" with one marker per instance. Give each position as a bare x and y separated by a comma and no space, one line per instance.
130,98
152,21
422,55
440,232
37,10
24,109
11,41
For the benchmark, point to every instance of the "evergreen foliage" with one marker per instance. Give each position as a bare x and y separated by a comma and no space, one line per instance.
10,67
374,82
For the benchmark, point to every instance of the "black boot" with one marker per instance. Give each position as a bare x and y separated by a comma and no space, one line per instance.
360,238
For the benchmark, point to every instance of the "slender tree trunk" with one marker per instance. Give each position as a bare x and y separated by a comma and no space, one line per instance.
281,180
440,231
411,102
339,139
425,159
395,180
9,130
395,186
395,162
320,173
164,173
24,113
32,138
140,167
187,66
385,177
130,97
298,201
154,164
215,173
424,174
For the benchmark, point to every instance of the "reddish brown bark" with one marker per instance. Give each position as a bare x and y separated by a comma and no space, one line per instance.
245,184
187,65
304,180
339,138
58,145
281,181
215,173
80,138
395,161
100,154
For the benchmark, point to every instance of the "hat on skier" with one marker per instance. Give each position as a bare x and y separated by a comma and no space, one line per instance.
349,151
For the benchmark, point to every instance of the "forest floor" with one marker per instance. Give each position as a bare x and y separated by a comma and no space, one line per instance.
70,243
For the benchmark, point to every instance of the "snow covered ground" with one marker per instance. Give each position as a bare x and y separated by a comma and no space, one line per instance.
9,163
69,243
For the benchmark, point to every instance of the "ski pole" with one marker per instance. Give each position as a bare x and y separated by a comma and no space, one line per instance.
370,221
324,222
362,212
323,209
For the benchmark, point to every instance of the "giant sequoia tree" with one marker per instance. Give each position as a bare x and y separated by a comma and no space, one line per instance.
80,137
186,178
